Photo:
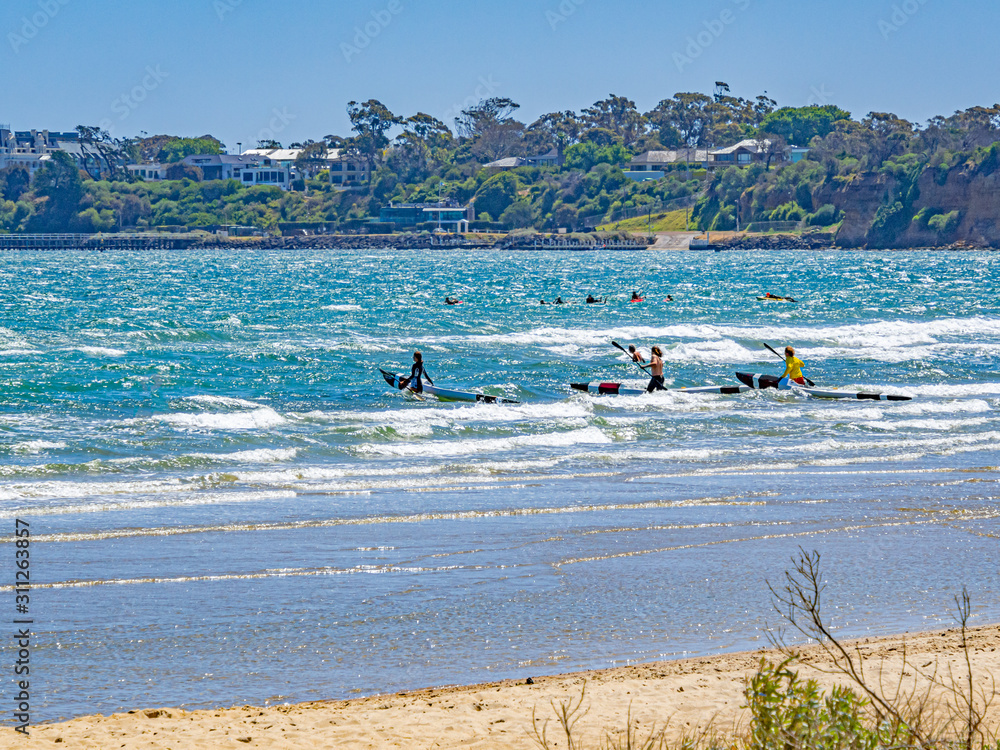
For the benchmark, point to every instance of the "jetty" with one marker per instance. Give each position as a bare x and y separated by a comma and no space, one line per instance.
103,241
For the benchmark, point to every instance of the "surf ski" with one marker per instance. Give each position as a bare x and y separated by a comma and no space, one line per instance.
617,389
760,382
446,394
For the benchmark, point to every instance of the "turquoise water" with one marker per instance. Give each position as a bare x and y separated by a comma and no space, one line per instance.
228,505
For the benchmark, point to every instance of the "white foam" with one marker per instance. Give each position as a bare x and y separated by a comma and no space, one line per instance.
589,435
342,308
37,446
98,351
221,401
257,419
259,455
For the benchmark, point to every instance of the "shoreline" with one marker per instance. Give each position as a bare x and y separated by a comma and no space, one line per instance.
689,696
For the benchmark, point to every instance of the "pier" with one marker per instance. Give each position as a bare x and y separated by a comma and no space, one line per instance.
135,241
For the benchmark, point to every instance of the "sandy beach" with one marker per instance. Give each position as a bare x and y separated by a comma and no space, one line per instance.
685,695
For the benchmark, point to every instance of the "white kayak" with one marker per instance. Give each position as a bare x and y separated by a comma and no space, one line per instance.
617,389
761,381
446,394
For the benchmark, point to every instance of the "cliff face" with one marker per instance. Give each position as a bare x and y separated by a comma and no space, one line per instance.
973,194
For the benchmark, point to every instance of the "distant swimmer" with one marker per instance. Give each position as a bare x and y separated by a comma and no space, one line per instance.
655,368
635,297
669,299
592,300
544,302
793,370
636,355
417,372
452,301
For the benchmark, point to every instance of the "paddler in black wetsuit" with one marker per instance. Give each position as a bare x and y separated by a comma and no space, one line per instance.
416,372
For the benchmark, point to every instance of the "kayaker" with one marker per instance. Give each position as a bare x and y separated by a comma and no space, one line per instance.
636,355
559,301
655,368
450,301
793,370
591,300
635,297
543,302
416,373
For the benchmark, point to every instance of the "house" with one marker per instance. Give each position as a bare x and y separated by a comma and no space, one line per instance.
248,170
31,148
345,170
450,214
551,158
752,151
148,172
503,165
652,165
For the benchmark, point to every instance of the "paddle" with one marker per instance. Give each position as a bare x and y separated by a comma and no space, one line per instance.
619,346
783,359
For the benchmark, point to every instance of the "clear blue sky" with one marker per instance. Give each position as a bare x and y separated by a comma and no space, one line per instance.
240,69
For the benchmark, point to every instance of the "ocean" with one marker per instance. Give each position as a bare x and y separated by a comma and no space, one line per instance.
227,504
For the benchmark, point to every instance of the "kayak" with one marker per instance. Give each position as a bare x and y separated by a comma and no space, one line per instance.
761,382
775,299
447,394
617,389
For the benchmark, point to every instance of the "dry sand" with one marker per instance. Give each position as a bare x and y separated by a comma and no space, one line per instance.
685,695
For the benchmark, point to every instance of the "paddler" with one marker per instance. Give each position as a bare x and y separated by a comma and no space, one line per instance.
655,368
636,355
793,370
416,373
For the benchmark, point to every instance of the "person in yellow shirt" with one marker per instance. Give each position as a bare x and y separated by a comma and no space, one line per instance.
793,370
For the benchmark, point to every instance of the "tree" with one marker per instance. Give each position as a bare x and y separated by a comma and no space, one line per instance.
799,125
687,114
60,185
488,114
556,130
772,147
371,121
496,194
104,155
518,215
619,115
312,158
177,149
888,135
14,182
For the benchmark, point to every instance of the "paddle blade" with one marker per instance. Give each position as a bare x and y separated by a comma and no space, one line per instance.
619,346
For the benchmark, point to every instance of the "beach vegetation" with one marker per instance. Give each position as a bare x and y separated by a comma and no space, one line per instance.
908,707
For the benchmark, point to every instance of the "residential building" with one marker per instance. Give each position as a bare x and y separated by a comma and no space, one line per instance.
247,169
30,148
148,172
504,165
345,170
551,158
652,165
449,213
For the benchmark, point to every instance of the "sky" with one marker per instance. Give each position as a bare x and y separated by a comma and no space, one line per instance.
247,70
